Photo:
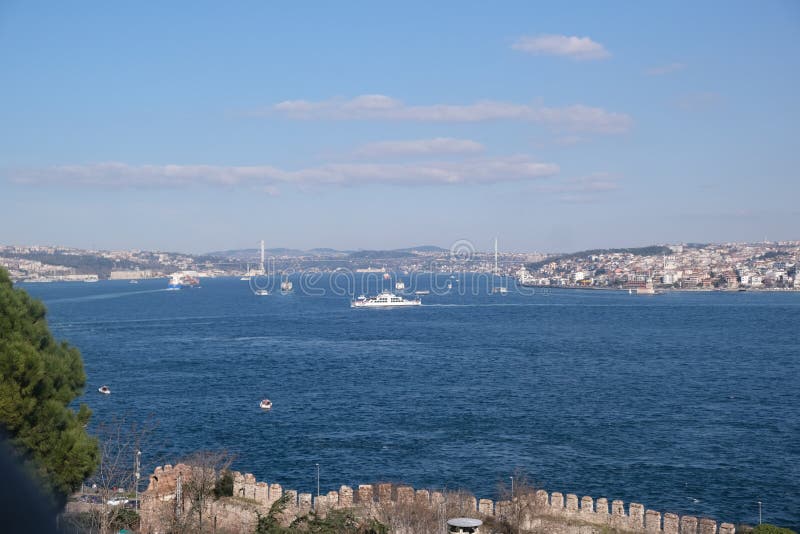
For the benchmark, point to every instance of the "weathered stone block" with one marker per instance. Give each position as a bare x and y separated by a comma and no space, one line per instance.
542,499
465,501
365,494
345,497
587,506
636,516
292,504
572,503
321,504
601,507
384,492
502,509
708,526
688,525
652,521
727,528
261,492
423,497
304,502
556,502
405,495
275,493
238,484
671,522
486,506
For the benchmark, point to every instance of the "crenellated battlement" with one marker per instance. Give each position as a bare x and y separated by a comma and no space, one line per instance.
531,510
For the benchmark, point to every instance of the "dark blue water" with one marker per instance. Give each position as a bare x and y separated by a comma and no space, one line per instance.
685,402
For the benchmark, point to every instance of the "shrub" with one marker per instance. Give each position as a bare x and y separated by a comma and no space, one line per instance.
766,528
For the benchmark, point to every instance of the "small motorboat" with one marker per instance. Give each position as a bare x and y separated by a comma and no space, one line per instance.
261,292
265,404
105,390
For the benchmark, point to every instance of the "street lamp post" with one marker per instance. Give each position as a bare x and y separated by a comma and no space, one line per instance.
317,480
136,476
512,487
759,512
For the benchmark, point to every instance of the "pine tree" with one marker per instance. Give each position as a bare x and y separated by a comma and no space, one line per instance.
39,378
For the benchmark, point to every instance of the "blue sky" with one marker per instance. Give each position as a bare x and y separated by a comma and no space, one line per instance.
198,126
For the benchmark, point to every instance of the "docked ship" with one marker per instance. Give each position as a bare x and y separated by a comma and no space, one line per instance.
384,300
183,279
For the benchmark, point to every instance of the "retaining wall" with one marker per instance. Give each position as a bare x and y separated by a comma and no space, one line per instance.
257,497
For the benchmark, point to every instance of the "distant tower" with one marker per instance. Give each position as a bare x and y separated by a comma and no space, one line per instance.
496,270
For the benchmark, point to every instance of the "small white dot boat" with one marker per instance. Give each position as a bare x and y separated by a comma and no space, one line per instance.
105,390
265,404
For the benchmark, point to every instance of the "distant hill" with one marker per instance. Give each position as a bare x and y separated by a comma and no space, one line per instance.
380,255
423,248
254,253
652,250
327,251
250,253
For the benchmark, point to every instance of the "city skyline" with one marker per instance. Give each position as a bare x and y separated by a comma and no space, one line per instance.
200,127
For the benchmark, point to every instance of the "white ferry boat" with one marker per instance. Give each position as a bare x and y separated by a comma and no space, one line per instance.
384,300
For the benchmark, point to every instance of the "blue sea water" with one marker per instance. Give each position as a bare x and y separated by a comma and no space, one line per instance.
685,402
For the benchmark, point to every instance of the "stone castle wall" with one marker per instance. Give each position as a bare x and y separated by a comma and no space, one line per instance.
541,508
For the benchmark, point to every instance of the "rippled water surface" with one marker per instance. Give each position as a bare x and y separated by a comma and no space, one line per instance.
685,402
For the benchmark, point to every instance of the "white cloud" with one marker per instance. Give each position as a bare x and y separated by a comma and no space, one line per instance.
580,48
380,107
268,179
420,147
665,69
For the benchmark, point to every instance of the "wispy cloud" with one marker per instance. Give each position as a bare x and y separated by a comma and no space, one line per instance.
268,179
576,117
568,140
580,48
420,147
699,101
665,69
585,189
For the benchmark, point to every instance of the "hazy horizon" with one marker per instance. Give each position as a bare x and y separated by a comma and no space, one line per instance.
199,126
477,247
